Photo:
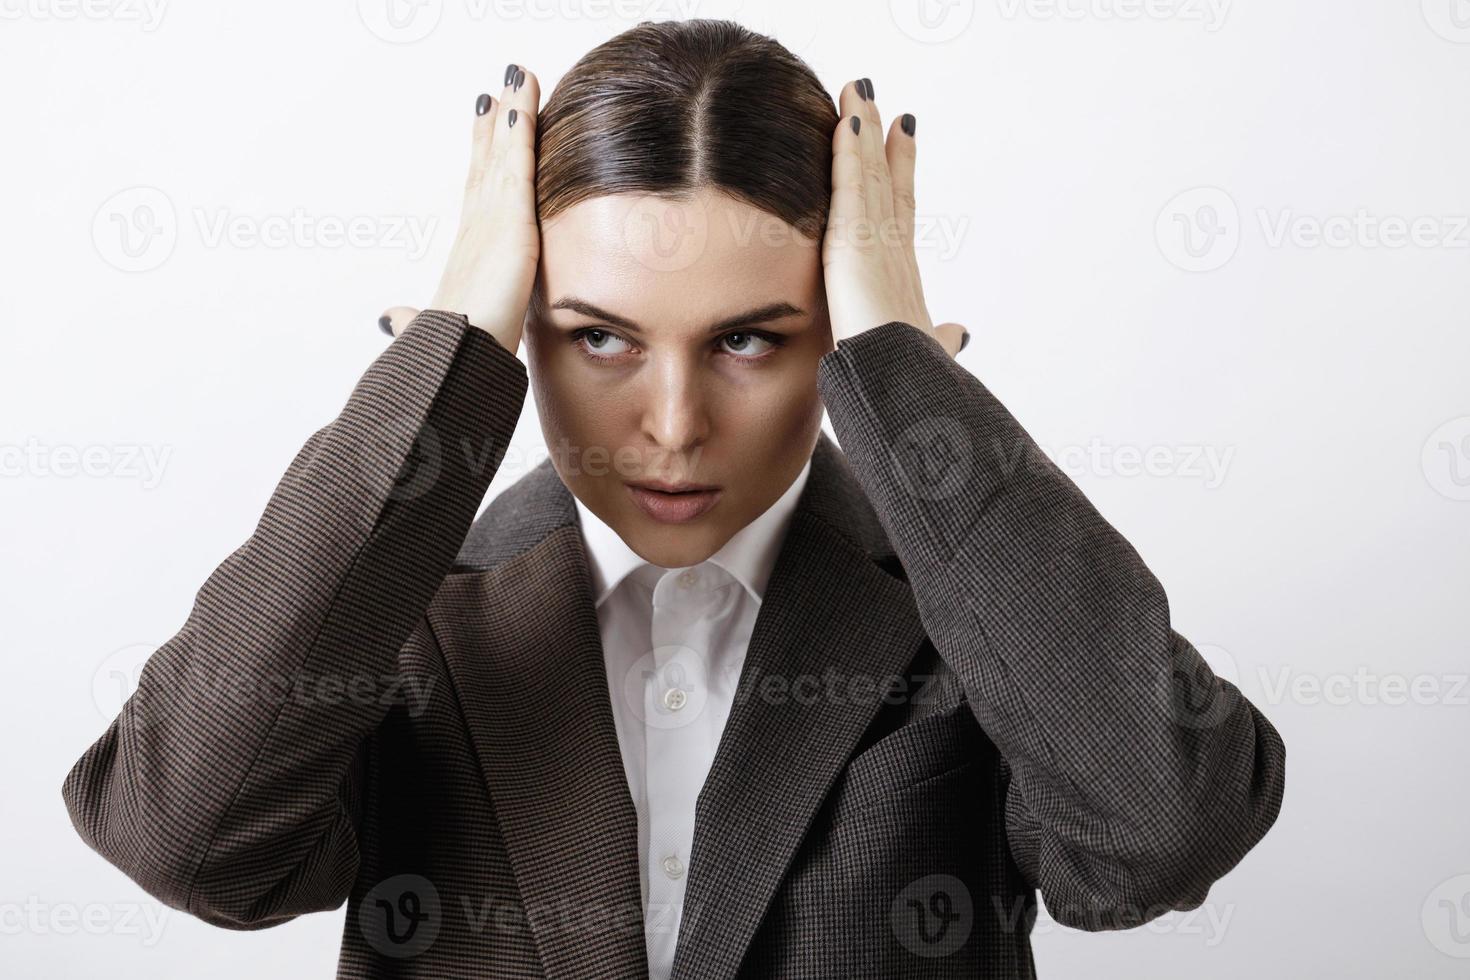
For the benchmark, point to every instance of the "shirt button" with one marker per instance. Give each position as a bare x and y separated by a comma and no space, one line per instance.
673,867
688,577
675,698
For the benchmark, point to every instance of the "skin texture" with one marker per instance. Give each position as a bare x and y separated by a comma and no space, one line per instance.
630,382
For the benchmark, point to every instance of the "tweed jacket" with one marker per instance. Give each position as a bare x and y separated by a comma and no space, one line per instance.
962,690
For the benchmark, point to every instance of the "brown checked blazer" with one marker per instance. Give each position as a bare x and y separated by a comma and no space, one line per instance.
963,689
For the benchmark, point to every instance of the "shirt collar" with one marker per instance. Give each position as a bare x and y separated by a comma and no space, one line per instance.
748,556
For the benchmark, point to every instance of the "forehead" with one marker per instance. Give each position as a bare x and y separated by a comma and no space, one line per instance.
655,259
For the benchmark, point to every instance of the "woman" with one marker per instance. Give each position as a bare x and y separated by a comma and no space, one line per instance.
704,694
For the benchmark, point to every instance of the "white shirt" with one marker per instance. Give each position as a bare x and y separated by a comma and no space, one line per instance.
674,642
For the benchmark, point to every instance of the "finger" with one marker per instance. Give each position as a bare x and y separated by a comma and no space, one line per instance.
513,153
901,151
849,203
482,135
395,319
952,337
876,185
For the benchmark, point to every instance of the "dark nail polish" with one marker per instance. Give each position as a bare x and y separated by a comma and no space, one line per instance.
510,74
482,104
857,124
965,340
385,324
520,80
908,123
869,83
862,90
512,120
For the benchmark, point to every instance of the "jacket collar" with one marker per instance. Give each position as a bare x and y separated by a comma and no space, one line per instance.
518,626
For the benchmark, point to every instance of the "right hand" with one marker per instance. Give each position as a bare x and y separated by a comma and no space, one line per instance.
492,265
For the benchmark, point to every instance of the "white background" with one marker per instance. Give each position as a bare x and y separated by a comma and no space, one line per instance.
1065,151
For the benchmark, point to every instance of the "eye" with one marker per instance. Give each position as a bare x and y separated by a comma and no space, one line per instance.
746,344
600,345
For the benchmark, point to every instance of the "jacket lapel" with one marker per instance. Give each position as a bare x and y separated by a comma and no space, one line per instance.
525,655
524,651
833,626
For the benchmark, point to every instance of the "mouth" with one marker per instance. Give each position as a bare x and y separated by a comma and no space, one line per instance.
674,503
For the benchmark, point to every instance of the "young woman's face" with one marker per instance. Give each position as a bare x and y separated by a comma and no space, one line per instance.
679,344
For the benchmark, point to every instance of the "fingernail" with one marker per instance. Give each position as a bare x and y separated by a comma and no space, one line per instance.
519,80
857,124
512,120
510,74
862,90
385,323
869,83
908,123
482,104
965,340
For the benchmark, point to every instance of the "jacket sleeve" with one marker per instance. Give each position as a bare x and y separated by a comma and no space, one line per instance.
227,786
1137,776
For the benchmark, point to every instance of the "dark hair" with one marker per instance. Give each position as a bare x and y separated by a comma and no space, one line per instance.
672,107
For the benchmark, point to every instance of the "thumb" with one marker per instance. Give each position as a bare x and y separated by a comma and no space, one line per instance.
952,337
395,319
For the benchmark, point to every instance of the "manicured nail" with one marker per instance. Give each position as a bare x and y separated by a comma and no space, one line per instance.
965,340
862,90
482,104
510,74
857,124
869,83
385,323
520,80
907,123
512,120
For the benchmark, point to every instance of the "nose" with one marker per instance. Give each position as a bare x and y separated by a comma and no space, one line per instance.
676,415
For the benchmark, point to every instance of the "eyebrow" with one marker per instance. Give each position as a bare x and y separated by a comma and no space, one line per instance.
761,314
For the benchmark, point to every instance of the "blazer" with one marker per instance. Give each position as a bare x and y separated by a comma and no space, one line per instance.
962,689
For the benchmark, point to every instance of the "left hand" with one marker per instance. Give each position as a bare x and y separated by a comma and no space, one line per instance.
868,260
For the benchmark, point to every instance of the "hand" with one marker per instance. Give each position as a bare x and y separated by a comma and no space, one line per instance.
868,260
492,264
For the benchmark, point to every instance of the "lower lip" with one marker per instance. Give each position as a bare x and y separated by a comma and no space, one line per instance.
674,508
